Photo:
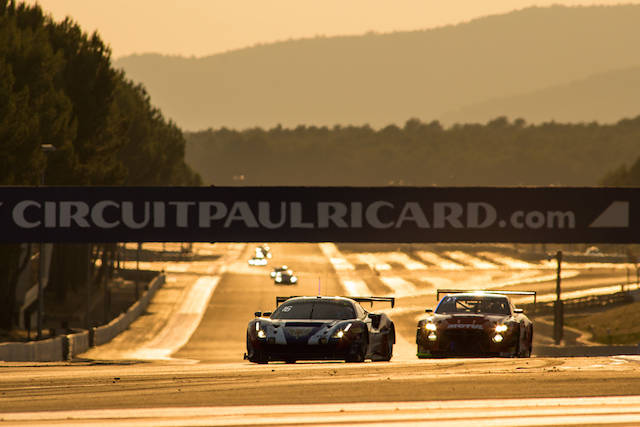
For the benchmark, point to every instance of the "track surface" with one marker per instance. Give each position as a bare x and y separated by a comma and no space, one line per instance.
205,382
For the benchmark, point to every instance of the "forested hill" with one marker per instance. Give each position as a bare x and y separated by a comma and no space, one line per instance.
379,79
605,97
501,152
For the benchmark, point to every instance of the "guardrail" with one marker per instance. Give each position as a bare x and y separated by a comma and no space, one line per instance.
66,347
581,303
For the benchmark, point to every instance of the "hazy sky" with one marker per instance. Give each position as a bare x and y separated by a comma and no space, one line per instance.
204,27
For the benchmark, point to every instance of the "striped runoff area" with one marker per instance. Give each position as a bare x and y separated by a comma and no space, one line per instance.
616,410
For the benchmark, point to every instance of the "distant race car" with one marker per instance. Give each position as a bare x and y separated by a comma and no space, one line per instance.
264,250
277,270
258,260
476,323
321,328
285,278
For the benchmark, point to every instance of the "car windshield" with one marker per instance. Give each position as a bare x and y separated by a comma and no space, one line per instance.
315,310
474,305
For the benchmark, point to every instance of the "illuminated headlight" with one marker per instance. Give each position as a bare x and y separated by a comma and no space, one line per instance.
260,332
278,279
430,326
340,333
501,328
432,336
294,279
498,338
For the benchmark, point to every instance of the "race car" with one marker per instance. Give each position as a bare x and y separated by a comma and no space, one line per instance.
264,250
321,328
258,260
280,269
285,278
476,323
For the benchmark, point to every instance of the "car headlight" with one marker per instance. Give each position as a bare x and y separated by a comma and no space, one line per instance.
501,328
340,332
294,279
430,326
260,331
278,279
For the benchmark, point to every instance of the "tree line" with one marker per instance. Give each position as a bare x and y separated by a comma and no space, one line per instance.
498,153
58,87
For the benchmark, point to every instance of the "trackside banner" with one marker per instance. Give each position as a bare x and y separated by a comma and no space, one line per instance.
319,214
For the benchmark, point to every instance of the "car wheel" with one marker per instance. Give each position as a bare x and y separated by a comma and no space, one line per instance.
359,352
530,349
256,355
388,348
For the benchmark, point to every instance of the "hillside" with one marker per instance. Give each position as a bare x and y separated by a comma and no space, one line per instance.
387,78
604,97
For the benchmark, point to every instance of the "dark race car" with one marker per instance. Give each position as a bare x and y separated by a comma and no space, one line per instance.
478,323
277,270
321,328
285,278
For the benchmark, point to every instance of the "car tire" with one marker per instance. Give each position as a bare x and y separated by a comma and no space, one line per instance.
388,348
256,355
359,352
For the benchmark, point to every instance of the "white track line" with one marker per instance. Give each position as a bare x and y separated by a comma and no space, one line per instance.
508,261
182,324
474,262
492,412
400,286
374,261
438,261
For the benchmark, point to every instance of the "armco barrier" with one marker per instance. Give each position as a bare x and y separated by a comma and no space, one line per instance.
66,347
104,334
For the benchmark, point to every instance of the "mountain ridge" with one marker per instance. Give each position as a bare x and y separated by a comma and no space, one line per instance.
379,79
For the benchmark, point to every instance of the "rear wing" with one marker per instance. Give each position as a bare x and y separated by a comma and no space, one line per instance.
390,300
468,291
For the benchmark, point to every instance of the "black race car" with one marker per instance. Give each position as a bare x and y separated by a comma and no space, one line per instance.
480,323
285,278
321,328
277,270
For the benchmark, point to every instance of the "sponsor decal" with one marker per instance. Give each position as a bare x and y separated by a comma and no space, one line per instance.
464,326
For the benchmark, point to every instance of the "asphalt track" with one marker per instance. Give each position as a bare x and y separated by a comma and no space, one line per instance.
202,313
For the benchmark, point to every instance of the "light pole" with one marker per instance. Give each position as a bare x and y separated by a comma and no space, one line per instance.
558,318
46,149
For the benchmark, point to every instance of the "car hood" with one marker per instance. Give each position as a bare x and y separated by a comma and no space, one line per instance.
295,331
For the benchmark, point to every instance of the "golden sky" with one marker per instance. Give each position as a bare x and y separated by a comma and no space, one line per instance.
205,27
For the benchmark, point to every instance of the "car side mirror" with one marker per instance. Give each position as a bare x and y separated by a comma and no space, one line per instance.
375,320
428,310
257,313
518,310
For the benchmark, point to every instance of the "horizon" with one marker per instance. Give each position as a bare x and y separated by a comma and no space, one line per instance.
203,28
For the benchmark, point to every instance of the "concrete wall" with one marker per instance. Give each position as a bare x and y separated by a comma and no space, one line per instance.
35,351
104,334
